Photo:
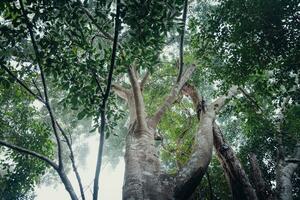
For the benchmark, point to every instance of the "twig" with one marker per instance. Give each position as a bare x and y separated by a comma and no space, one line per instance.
90,16
246,94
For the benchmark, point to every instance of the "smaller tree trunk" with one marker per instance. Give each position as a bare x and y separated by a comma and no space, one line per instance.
238,180
263,192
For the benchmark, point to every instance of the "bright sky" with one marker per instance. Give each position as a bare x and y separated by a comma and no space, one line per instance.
111,180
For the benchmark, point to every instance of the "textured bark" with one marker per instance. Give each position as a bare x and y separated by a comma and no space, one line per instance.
142,166
143,178
236,176
285,192
263,192
192,173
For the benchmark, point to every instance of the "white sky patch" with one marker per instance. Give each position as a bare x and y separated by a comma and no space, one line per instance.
111,180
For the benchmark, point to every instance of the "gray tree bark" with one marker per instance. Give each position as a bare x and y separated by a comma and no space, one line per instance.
286,172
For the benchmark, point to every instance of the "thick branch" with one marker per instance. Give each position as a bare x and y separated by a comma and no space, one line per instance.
263,192
144,80
190,176
280,149
171,98
287,172
198,101
120,91
138,99
218,104
237,178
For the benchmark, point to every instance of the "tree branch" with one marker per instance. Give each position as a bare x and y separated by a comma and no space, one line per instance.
98,84
144,80
29,152
105,98
218,104
72,160
46,102
38,89
192,173
171,98
138,99
247,95
287,172
94,21
182,40
120,91
22,84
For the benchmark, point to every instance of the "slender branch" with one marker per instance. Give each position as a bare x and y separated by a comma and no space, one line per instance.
22,83
37,88
171,98
46,102
94,21
247,95
292,160
69,144
105,98
182,40
98,84
29,152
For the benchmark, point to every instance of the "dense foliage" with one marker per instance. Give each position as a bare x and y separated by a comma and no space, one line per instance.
252,44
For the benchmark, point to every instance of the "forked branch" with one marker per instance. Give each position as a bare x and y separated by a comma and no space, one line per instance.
138,99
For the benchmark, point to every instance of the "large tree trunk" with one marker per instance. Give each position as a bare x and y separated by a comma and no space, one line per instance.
286,174
143,178
238,180
142,169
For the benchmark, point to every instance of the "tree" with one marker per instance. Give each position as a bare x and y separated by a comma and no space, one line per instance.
69,55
